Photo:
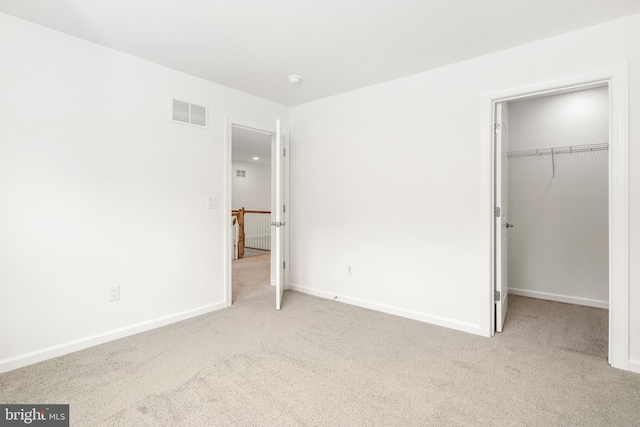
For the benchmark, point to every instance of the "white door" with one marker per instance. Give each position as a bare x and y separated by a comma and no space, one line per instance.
277,248
501,226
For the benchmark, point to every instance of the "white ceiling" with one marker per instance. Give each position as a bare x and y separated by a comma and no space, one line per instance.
335,45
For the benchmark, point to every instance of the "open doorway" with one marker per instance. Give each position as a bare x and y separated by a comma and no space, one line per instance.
251,203
558,197
278,217
554,221
616,79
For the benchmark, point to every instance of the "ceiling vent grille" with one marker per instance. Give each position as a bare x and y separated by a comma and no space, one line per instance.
189,114
240,172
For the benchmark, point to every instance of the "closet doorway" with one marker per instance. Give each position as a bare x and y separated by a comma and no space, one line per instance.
558,197
616,78
554,237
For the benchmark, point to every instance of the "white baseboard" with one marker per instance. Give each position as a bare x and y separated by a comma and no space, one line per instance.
634,366
409,314
560,298
30,358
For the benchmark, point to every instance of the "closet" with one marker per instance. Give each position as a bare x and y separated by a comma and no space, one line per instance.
558,197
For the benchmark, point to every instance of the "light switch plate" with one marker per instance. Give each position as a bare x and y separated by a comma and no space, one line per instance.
213,203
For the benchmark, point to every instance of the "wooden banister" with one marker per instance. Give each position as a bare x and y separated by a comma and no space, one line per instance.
235,212
241,212
239,218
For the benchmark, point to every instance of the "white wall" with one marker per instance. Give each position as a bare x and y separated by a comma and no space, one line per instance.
386,178
99,188
253,192
558,248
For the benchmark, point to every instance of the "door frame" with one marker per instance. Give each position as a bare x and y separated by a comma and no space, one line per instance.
229,122
616,76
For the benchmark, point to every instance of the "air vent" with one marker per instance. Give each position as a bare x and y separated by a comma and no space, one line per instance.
240,172
189,114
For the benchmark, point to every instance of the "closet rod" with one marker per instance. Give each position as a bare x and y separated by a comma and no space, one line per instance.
559,150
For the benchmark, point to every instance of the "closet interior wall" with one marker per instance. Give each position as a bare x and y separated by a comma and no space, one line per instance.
558,248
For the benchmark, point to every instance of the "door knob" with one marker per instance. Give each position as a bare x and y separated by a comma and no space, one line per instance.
509,225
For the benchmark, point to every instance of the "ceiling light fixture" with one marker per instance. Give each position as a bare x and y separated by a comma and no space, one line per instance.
256,158
293,79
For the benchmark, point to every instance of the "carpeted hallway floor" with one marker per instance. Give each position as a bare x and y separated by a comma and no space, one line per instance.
323,363
251,278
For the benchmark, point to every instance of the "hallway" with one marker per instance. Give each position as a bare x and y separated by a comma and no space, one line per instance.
251,278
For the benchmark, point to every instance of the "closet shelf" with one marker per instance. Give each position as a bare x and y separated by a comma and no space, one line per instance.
559,150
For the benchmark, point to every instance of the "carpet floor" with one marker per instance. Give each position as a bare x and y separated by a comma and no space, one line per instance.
319,362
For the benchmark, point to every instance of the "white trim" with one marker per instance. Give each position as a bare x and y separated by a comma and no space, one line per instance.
619,217
396,311
90,341
634,365
486,226
617,78
588,302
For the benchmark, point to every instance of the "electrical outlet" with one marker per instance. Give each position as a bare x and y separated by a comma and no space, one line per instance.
349,269
114,293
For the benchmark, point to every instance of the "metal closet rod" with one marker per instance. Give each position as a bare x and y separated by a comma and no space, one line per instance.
559,150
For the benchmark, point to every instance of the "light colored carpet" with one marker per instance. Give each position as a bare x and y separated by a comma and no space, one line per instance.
323,363
254,252
251,278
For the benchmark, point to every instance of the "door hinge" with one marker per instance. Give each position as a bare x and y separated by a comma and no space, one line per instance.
496,212
496,127
284,208
496,296
284,152
284,265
